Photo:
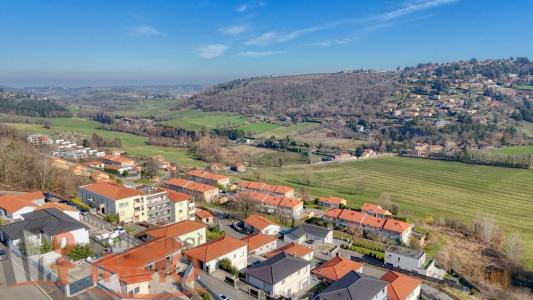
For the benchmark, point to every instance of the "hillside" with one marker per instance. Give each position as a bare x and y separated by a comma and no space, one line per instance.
316,95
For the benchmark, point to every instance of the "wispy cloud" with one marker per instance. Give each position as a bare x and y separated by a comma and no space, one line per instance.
144,30
241,8
327,43
258,53
272,37
212,51
234,30
140,17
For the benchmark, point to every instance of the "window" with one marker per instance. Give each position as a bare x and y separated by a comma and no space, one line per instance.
136,290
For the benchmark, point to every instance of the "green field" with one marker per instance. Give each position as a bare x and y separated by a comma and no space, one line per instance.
133,144
424,188
512,150
295,129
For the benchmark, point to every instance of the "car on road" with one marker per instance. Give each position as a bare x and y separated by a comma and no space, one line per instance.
223,297
120,230
3,254
84,212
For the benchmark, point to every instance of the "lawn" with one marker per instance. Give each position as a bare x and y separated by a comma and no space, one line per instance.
133,144
425,188
193,119
512,150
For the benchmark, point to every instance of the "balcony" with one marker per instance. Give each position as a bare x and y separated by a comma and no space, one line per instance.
137,205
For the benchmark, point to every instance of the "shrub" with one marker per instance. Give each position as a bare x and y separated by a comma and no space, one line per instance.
225,264
80,203
80,252
112,218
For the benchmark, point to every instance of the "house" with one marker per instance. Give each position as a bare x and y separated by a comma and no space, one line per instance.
100,176
257,223
208,178
188,233
397,230
335,268
293,249
282,275
276,190
355,286
402,287
204,216
199,191
95,164
207,256
65,208
309,232
280,205
405,258
12,207
119,161
182,206
342,156
111,198
50,224
259,244
238,167
331,202
367,153
375,210
39,139
131,274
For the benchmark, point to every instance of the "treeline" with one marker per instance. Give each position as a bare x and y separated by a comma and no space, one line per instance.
180,136
34,108
522,161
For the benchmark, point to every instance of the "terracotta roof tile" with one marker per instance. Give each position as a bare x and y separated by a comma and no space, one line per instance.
12,203
396,226
111,190
190,185
258,240
177,196
292,249
215,248
259,222
175,230
332,200
400,286
271,200
59,206
206,175
264,187
335,268
374,208
202,213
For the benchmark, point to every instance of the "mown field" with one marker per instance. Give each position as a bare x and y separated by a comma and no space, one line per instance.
133,144
512,150
296,129
426,188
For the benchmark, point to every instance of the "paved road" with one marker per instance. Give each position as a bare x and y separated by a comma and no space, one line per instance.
217,287
225,225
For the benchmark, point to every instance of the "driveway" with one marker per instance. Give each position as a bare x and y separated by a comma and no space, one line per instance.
217,287
225,225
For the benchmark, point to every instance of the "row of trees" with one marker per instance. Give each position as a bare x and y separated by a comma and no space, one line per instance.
34,108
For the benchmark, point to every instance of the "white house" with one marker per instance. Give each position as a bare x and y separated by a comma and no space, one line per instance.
355,286
402,286
309,232
257,223
282,275
405,258
12,207
208,255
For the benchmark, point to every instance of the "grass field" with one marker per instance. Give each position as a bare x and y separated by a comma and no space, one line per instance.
283,131
133,144
514,150
424,188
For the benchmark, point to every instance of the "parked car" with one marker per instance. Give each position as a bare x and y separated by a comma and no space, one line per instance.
3,254
223,297
120,230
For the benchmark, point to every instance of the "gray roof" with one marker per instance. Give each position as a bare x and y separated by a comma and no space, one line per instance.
277,268
403,251
50,221
308,229
353,286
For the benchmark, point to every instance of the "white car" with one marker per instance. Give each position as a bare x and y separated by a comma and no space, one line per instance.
119,230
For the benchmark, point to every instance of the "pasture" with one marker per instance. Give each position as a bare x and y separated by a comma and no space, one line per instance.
425,188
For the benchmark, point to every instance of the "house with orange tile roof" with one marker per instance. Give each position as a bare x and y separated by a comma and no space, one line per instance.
188,233
13,206
182,205
402,287
331,201
65,208
213,179
207,256
335,268
261,187
289,207
131,274
375,210
259,224
199,191
389,228
118,164
112,198
204,216
293,249
100,176
259,244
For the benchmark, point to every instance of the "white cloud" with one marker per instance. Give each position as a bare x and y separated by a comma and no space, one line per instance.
234,30
212,51
241,8
257,53
146,31
272,37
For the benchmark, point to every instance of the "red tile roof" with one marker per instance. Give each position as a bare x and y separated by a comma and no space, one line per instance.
190,185
111,190
12,203
59,206
271,200
264,187
332,200
335,268
396,226
374,222
292,249
374,208
177,196
258,222
131,265
258,240
215,248
175,230
202,213
206,175
118,159
400,286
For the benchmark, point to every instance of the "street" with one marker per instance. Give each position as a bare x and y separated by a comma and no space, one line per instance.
217,287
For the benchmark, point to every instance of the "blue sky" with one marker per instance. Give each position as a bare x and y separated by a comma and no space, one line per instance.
92,42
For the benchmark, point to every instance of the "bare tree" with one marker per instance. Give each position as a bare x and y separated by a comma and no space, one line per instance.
485,228
513,246
308,175
245,203
355,231
43,172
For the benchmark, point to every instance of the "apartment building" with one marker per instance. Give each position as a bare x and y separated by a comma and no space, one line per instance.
199,191
208,178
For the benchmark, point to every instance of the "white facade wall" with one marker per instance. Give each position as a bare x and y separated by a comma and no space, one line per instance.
288,287
238,258
265,248
404,262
